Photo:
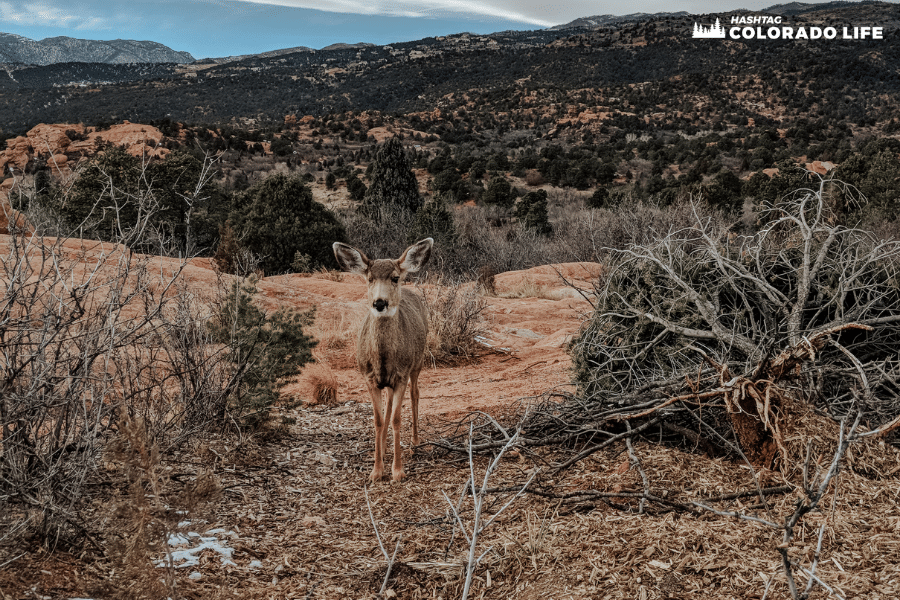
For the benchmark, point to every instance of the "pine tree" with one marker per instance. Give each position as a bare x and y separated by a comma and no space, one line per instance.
104,197
599,199
532,212
278,217
499,192
393,181
356,187
434,220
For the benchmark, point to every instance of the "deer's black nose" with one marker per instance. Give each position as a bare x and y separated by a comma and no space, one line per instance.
380,305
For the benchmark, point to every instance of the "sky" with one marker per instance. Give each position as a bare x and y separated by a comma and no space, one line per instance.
215,28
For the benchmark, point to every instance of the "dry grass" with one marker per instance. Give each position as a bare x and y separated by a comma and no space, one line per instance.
148,507
323,385
336,331
328,274
455,320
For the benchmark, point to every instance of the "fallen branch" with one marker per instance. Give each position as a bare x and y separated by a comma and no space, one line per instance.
389,559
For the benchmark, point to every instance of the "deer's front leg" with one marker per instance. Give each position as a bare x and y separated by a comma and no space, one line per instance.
380,430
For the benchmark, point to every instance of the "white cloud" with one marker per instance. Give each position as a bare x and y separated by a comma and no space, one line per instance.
42,13
428,8
536,12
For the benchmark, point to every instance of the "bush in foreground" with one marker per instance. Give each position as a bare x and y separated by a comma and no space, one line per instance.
804,307
266,349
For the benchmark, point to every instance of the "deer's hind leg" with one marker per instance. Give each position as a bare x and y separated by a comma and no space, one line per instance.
414,405
396,409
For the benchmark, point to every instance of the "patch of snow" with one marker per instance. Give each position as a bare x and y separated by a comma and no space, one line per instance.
190,556
176,539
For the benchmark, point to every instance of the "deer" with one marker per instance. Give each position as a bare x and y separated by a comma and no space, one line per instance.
390,350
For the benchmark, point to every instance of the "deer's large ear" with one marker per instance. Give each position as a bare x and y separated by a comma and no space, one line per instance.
350,259
415,257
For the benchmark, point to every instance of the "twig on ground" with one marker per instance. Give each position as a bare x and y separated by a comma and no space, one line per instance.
814,492
770,491
637,463
389,559
604,444
478,496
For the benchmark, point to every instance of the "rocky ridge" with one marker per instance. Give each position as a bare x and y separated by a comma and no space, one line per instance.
18,49
62,145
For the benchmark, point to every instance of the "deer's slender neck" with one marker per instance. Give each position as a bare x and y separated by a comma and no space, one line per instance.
385,329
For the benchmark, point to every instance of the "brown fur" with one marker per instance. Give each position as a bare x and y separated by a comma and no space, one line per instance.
391,345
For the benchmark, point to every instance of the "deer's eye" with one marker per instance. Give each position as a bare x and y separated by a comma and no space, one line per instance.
395,279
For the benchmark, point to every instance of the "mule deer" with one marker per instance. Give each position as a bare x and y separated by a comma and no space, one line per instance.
391,347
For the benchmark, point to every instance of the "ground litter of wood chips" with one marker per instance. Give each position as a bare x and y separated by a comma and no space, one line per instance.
295,521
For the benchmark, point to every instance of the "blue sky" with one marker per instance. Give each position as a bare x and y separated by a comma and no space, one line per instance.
211,28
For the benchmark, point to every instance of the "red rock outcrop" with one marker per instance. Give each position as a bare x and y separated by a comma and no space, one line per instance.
821,167
51,143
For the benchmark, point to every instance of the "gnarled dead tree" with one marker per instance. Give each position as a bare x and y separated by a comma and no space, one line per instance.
708,335
704,317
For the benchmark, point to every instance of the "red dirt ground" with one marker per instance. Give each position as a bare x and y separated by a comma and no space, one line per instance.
531,331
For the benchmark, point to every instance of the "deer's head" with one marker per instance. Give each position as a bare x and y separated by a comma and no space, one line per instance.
383,276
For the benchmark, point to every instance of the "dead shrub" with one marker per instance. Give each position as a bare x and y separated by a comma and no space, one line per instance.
323,385
486,283
534,178
456,320
95,336
804,309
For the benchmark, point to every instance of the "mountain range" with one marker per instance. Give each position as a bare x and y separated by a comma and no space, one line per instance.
281,52
18,49
790,9
601,20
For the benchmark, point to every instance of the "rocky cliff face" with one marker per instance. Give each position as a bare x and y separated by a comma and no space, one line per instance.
51,143
17,49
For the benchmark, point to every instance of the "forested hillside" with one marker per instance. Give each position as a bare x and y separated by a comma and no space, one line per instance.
835,79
